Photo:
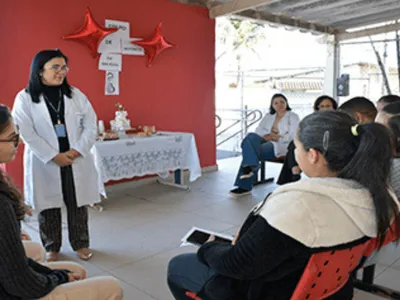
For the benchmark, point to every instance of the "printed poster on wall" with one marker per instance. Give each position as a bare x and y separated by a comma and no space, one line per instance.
110,62
112,43
112,83
130,49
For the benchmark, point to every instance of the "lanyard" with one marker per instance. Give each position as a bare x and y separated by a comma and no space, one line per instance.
57,111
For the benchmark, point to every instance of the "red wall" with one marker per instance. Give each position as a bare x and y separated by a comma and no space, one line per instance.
176,94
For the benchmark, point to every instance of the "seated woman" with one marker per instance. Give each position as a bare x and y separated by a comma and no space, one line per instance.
337,207
290,170
22,277
270,140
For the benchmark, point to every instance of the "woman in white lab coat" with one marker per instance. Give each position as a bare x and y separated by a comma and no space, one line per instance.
58,126
271,139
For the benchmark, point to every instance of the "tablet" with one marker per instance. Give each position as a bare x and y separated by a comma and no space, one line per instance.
198,237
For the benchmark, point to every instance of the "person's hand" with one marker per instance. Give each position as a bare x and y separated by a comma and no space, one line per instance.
25,237
62,159
74,277
267,137
211,239
275,137
73,154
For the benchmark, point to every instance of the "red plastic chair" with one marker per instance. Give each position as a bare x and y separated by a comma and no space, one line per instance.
328,272
390,237
192,295
366,284
325,274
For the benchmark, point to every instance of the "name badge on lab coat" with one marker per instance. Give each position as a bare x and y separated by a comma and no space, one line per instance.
60,130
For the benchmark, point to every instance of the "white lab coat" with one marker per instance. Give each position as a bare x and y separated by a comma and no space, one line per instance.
287,128
42,183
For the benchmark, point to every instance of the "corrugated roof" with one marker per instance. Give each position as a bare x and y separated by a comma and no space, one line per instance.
298,85
329,16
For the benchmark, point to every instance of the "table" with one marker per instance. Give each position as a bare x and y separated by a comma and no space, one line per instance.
138,156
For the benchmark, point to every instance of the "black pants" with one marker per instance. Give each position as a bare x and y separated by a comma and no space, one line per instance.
286,174
50,219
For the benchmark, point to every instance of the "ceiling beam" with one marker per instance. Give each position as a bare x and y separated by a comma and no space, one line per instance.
282,7
347,9
317,8
300,24
367,32
367,17
236,6
368,20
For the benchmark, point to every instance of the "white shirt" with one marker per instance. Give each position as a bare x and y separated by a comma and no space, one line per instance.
287,129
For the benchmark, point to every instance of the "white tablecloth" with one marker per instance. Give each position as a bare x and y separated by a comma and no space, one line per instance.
139,156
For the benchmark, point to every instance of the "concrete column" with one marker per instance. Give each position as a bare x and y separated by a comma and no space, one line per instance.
332,70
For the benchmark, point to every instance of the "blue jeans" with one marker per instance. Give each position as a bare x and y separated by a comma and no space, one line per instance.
254,150
187,273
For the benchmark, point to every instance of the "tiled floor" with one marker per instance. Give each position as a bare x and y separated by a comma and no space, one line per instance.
140,229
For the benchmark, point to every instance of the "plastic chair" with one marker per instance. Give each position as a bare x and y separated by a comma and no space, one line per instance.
325,274
366,284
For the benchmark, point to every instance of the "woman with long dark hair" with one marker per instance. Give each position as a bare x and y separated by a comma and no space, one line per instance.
21,277
342,204
58,126
270,139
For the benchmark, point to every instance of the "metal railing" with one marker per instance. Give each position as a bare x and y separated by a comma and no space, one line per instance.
248,117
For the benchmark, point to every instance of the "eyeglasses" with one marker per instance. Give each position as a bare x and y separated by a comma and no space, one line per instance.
325,106
14,140
58,68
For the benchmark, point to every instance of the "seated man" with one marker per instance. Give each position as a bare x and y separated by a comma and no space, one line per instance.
361,109
385,100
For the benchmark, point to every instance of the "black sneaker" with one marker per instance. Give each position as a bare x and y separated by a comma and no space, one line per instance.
239,192
246,173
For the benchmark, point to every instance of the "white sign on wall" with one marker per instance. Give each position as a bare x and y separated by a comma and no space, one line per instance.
112,83
112,43
110,62
131,49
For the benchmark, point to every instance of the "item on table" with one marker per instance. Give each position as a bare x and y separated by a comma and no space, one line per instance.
121,122
101,127
108,136
149,130
131,131
142,133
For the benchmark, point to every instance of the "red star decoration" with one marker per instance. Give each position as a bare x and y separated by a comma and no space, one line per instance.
154,45
91,33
